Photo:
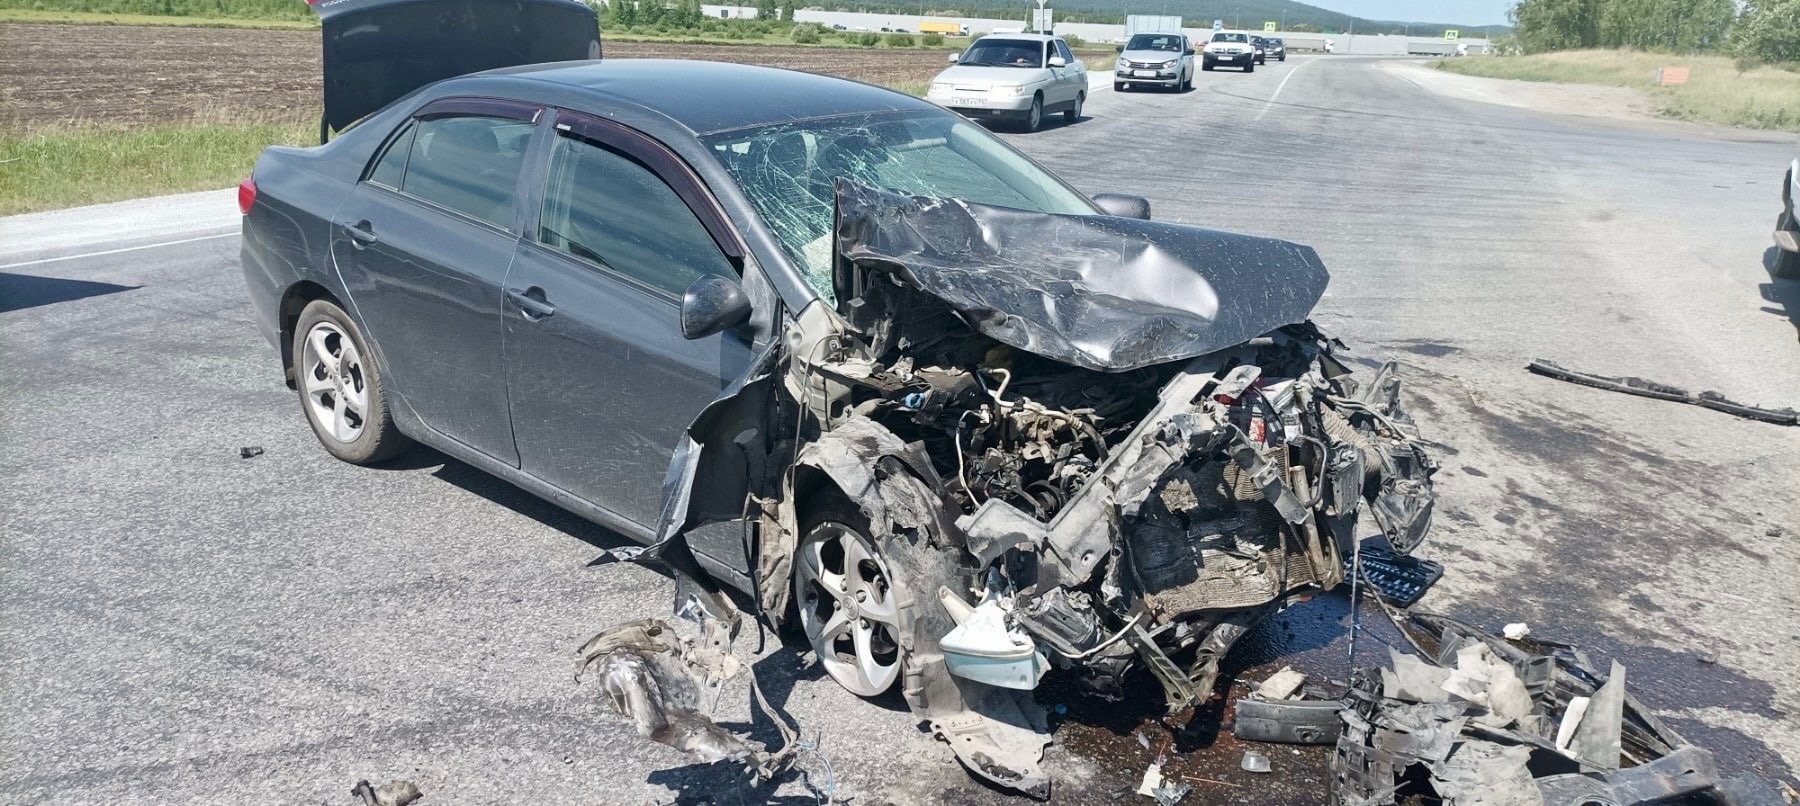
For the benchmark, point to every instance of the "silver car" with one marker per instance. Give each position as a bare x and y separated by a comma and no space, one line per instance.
1163,60
1018,77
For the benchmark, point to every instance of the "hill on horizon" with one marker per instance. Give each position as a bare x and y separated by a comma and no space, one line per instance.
1289,14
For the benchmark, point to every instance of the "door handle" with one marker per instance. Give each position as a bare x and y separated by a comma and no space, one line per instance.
362,234
531,302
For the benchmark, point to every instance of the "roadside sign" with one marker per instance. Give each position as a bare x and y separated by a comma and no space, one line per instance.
1671,76
1218,25
1451,34
1040,20
1269,26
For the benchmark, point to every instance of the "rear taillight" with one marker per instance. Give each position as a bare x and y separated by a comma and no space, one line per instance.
246,195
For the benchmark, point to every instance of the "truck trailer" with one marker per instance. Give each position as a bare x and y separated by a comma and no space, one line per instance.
942,27
1152,24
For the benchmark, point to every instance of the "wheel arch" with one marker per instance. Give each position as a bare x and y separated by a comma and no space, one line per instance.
287,318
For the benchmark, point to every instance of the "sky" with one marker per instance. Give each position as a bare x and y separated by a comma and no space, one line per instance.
1467,12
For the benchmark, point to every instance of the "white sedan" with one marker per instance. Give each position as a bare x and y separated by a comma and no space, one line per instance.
1019,77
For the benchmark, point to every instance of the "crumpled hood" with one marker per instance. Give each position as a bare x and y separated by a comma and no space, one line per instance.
1099,292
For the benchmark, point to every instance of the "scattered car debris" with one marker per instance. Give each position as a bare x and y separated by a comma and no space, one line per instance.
1661,391
1255,762
1024,441
393,793
1164,792
654,676
1476,719
250,451
1516,631
1282,685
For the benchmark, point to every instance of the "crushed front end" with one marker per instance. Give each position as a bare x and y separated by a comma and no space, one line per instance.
1075,443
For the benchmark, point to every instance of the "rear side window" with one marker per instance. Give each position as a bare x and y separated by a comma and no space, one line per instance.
392,166
1062,49
608,209
468,164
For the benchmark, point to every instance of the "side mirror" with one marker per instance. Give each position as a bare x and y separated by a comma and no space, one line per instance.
1058,61
954,57
711,305
1113,204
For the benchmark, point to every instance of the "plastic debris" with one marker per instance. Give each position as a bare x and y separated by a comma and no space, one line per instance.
1254,762
1170,794
1153,778
393,793
1662,391
1282,685
1516,631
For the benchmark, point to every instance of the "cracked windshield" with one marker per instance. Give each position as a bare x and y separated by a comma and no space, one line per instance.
790,170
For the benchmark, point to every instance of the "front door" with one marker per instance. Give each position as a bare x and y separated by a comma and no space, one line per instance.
602,384
423,243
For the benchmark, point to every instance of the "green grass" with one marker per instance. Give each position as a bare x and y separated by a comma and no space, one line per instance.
46,169
10,14
288,10
1717,90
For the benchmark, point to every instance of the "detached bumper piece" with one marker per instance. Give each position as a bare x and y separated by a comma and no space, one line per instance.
1661,391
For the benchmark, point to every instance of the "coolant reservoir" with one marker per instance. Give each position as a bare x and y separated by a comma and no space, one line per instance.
984,650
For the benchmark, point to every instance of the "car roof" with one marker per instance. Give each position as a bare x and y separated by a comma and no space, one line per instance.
707,96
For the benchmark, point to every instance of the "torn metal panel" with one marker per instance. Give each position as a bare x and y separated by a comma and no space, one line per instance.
1097,292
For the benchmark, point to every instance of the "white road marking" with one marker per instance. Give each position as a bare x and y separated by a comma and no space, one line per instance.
103,253
1279,88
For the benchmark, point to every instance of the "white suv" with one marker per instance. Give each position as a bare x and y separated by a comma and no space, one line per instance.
1232,48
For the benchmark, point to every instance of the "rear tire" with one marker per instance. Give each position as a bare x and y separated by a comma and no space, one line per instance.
1073,113
340,387
1787,265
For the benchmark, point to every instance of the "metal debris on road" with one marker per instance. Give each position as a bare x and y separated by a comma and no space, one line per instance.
1481,720
398,792
1662,391
250,452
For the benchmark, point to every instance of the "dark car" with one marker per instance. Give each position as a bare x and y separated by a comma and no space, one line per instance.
1273,46
1262,49
846,351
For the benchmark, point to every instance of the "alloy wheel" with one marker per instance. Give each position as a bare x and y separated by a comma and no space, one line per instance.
331,375
847,608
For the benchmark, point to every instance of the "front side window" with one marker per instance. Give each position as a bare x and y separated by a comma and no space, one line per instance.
990,52
468,164
789,171
606,208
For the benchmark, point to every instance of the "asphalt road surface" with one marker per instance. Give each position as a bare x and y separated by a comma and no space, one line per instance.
182,625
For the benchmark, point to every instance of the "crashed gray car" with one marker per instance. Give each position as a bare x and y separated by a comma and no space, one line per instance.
961,424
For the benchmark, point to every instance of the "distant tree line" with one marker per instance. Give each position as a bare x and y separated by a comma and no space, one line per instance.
1761,30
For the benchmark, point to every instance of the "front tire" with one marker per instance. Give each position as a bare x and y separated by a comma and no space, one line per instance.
1250,68
1207,65
1073,113
858,617
1120,86
341,389
1034,119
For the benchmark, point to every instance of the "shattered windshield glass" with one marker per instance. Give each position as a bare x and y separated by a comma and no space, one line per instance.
789,171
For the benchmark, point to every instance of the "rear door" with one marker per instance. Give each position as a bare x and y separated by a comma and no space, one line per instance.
1075,74
602,384
423,244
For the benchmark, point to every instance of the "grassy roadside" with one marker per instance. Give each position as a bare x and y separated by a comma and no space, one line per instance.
1717,91
32,15
70,166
